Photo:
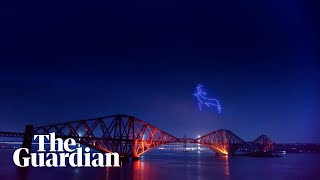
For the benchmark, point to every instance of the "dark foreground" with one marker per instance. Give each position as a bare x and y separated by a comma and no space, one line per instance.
163,165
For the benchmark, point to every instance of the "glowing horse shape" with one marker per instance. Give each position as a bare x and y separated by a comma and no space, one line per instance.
202,99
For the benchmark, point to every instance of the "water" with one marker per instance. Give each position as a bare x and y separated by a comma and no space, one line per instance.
163,165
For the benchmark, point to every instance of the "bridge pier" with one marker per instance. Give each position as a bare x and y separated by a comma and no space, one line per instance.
27,142
230,150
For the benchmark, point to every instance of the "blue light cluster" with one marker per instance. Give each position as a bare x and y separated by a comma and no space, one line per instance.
203,99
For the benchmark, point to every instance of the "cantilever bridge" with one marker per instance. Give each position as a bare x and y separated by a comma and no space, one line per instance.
131,137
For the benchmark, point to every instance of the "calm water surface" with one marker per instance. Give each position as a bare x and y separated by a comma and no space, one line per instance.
162,165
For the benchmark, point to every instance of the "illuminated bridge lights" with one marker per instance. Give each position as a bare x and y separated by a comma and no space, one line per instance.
132,137
223,151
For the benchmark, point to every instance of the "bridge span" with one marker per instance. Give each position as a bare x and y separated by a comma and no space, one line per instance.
131,137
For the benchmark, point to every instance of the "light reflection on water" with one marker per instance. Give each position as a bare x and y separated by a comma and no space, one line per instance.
226,165
162,165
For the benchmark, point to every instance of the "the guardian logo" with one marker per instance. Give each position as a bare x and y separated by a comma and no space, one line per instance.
66,152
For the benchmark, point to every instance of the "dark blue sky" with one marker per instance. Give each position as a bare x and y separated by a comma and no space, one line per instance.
69,60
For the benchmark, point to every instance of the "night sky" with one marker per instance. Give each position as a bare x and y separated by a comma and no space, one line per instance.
76,59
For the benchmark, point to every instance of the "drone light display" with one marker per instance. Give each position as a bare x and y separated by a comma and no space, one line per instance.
204,100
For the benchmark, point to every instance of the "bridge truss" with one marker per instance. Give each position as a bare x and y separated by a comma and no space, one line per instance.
221,141
264,143
126,135
131,137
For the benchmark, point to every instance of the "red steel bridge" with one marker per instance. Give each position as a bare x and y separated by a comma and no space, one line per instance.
131,137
